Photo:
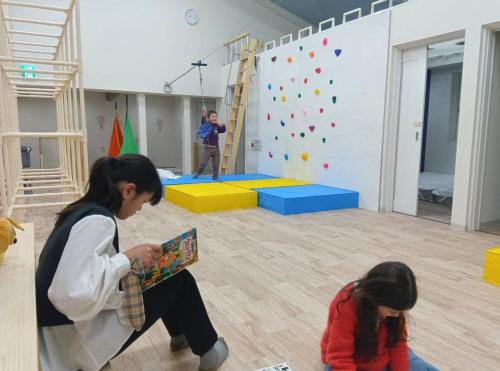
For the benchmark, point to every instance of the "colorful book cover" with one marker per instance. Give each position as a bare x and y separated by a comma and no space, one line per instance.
177,254
281,367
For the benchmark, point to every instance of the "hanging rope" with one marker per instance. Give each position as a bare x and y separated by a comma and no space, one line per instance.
199,64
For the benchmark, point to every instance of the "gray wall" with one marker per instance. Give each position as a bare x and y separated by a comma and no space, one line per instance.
490,206
441,142
164,130
36,115
98,110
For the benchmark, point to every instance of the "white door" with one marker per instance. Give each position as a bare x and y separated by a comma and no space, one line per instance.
411,117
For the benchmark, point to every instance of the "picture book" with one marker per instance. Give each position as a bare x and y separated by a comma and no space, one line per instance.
177,254
281,367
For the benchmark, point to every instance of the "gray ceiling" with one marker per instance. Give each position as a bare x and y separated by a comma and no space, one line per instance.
315,11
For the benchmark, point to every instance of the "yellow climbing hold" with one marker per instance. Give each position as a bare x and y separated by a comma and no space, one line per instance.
317,91
305,156
283,98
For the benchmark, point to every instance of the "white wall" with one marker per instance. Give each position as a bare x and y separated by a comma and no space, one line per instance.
99,110
37,115
490,206
441,144
137,46
164,126
421,22
351,96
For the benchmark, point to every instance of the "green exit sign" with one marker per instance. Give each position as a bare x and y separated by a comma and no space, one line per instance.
26,68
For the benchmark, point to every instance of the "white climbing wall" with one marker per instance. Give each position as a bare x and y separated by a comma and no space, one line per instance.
321,107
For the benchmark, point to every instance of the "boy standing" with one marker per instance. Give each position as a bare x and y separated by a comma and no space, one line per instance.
211,143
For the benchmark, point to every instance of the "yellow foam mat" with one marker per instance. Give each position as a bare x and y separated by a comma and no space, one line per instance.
492,266
267,183
207,197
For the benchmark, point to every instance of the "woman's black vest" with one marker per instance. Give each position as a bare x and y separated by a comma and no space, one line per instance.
51,254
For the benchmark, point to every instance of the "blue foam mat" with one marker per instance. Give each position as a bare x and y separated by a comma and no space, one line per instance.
188,179
306,199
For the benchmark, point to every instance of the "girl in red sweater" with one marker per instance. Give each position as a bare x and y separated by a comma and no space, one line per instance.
366,328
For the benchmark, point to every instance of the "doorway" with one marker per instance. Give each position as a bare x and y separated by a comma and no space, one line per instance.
427,131
489,216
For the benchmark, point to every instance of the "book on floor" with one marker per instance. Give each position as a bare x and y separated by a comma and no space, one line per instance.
177,254
281,367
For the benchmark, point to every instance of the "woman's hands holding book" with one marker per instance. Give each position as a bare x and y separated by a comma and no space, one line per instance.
148,254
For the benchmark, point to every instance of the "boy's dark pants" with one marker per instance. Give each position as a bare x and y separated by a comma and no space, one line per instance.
214,153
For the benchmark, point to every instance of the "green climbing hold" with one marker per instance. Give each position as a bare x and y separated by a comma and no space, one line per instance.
274,99
276,137
324,140
301,48
300,95
331,82
334,100
302,135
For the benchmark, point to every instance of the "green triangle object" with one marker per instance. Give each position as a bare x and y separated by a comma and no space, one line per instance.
129,144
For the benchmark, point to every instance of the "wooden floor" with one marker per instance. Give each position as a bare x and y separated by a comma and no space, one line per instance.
439,212
268,279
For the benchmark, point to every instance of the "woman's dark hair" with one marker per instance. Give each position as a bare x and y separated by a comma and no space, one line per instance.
105,175
391,284
210,113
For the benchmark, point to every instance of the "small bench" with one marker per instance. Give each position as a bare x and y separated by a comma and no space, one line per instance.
18,323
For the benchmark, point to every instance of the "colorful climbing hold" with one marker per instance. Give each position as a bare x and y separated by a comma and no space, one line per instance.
331,82
301,48
292,116
299,95
283,98
286,157
317,91
305,156
283,123
289,59
268,117
311,54
270,155
312,127
338,52
325,166
281,88
325,41
292,79
269,86
304,112
323,140
334,99
321,110
317,70
302,135
293,135
333,124
274,99
273,59
306,80
276,137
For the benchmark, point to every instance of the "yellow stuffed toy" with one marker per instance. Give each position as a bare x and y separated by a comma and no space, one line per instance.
7,234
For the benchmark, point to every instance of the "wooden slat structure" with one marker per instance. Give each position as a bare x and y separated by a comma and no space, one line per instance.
54,47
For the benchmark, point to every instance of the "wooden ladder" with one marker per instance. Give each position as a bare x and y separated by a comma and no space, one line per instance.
238,108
